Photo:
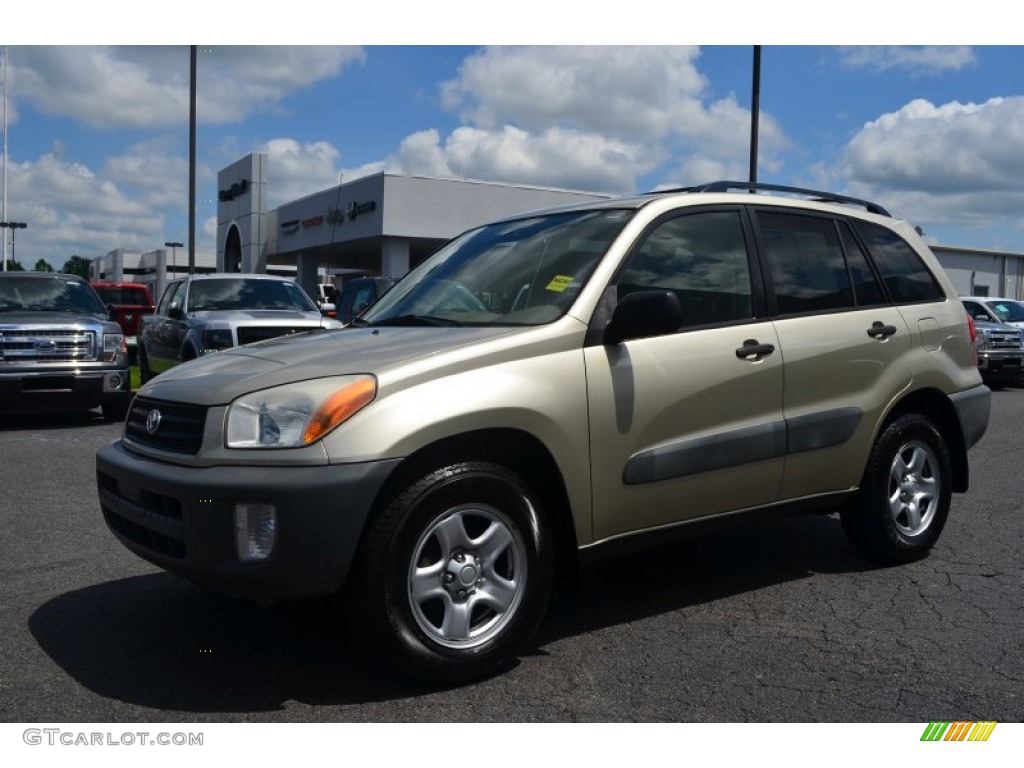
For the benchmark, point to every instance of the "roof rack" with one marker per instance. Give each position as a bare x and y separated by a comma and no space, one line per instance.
813,194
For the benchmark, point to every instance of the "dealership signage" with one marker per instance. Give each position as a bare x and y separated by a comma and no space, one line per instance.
357,209
335,216
237,189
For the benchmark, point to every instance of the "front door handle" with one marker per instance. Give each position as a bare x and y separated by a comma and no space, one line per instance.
754,351
880,330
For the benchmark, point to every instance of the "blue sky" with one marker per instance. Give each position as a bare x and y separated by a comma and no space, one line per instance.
98,135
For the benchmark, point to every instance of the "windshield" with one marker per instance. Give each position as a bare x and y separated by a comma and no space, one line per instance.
49,294
523,272
247,293
1008,311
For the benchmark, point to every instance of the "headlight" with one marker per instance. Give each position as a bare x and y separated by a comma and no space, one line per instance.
113,343
981,340
216,339
297,414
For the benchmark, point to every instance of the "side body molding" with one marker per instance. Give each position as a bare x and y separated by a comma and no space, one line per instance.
742,446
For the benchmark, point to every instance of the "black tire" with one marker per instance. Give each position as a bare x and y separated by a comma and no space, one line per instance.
145,374
116,410
453,576
904,497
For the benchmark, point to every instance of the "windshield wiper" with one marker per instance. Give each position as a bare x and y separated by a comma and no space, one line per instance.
417,320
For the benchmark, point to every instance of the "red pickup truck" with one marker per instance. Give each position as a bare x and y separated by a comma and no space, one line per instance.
127,302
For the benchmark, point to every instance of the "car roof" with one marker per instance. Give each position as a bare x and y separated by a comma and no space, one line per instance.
246,275
33,273
723,192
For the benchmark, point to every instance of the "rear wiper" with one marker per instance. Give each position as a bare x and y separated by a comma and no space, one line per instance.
417,320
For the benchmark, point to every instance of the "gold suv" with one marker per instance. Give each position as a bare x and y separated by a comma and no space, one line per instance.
556,384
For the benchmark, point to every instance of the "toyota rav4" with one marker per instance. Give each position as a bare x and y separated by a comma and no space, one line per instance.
552,385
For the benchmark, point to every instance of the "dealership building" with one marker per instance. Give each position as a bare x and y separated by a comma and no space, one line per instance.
385,224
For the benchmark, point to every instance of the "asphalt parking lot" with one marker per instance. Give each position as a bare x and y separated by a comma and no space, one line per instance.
784,622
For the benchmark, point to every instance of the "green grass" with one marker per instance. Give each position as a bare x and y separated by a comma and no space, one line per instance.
136,382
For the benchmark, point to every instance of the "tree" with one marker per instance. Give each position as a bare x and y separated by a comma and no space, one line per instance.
77,265
42,265
14,266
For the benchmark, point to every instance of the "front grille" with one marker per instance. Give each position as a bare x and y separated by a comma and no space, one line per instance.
151,520
247,335
46,346
1004,340
179,430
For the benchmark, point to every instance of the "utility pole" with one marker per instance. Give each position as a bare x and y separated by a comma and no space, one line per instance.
192,167
3,215
755,111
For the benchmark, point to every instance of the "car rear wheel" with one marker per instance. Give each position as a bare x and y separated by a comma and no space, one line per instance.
904,498
454,575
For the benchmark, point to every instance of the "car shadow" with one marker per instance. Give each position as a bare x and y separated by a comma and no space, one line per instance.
11,422
160,642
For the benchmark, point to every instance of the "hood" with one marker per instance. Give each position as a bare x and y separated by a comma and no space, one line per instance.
988,325
261,316
61,319
219,378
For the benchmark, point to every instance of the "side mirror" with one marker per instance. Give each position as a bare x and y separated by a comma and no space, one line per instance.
176,313
644,313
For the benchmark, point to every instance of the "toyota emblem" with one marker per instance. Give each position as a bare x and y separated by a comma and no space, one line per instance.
153,421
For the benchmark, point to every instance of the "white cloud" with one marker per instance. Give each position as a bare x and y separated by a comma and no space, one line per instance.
148,87
588,117
924,59
296,170
72,210
951,163
622,91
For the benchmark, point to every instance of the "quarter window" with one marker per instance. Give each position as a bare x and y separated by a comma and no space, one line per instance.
702,258
902,270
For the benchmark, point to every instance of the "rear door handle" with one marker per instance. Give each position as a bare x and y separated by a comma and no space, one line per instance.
753,351
880,330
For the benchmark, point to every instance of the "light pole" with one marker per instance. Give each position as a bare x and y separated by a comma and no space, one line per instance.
12,225
174,255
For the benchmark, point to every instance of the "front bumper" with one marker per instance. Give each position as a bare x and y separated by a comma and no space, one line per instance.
62,389
997,362
182,519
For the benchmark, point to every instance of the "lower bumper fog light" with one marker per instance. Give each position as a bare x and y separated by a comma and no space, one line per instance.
255,531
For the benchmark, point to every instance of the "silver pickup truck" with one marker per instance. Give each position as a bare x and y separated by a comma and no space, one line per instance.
58,348
1000,352
201,314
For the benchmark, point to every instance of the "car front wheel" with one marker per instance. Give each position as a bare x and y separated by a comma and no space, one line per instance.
904,498
454,575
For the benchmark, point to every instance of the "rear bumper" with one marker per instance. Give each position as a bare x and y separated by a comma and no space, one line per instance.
972,410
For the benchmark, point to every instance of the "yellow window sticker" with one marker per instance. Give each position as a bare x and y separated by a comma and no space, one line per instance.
559,283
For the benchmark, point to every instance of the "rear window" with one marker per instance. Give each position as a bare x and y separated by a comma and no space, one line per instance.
117,294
